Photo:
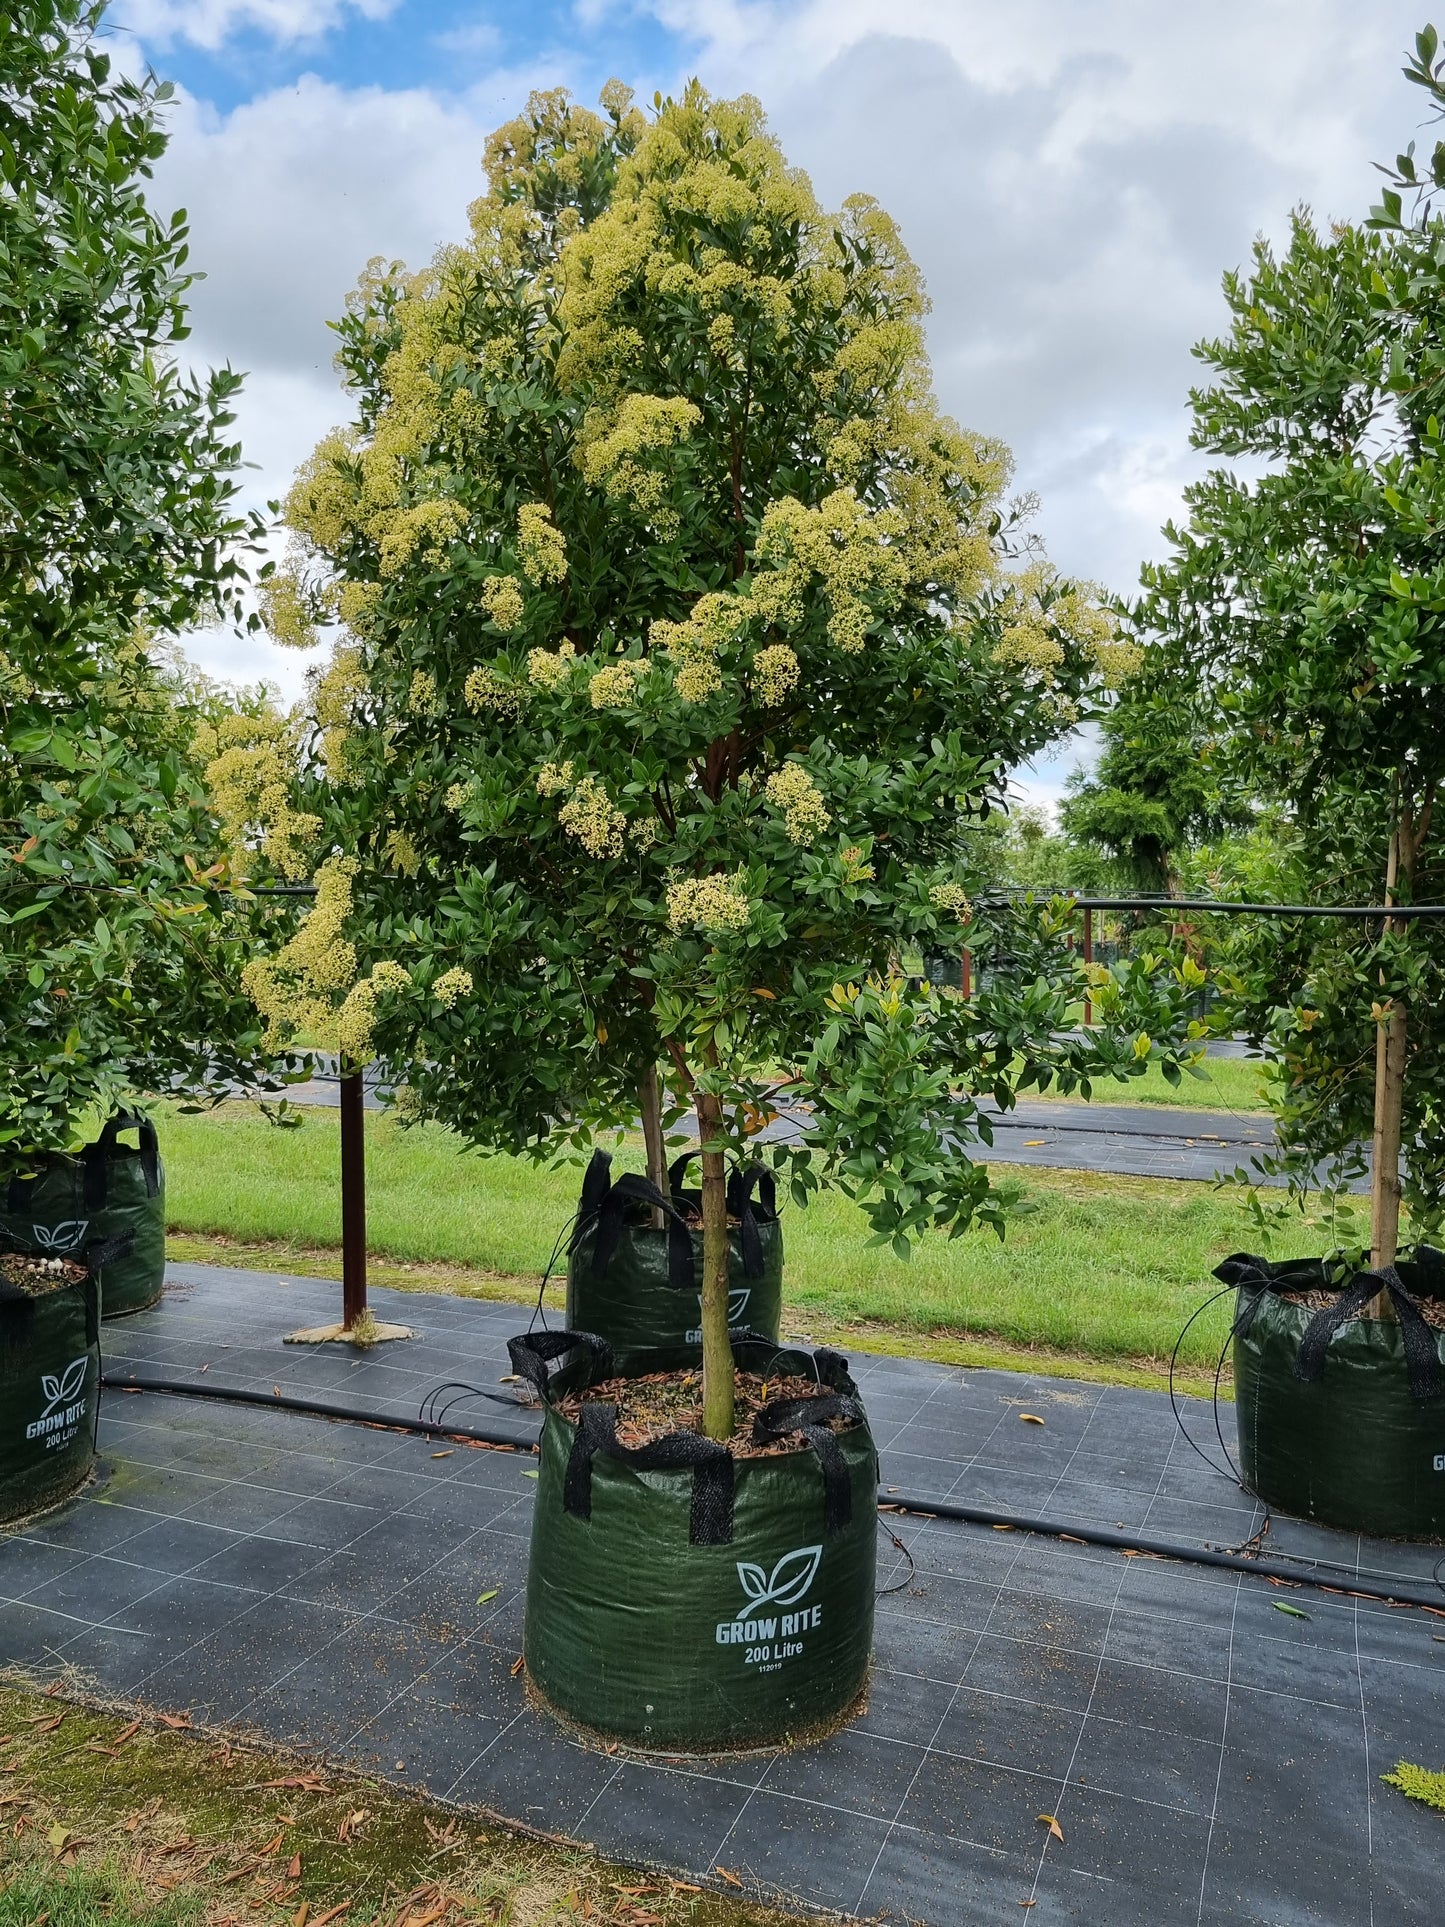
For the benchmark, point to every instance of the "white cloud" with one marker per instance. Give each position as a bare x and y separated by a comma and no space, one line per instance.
1072,178
210,23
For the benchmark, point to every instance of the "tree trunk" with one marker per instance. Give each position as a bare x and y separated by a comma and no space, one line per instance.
649,1098
717,1354
1389,1100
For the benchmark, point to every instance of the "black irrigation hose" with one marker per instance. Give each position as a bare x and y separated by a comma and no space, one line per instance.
887,1501
1342,1579
318,1408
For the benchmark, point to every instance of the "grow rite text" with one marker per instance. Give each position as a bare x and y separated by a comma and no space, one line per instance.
749,1632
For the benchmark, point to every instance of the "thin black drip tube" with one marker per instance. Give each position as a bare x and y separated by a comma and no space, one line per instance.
1328,1579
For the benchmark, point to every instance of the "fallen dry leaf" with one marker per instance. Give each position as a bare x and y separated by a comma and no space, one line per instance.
274,1846
730,1878
333,1913
44,1723
176,1721
302,1914
1052,1824
443,1455
1030,1418
293,1869
518,1663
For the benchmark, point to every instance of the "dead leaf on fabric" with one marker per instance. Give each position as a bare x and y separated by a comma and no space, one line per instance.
518,1663
1052,1824
730,1878
1030,1418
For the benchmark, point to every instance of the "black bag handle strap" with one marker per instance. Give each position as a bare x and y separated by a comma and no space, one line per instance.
95,1158
1422,1355
809,1417
603,1210
710,1516
533,1352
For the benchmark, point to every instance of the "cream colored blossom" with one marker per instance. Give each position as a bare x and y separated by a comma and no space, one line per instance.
712,903
428,527
459,795
775,674
484,689
421,698
401,851
503,602
792,791
546,670
540,545
286,609
451,985
356,1019
590,816
621,456
697,679
553,778
644,831
251,765
952,898
295,989
615,686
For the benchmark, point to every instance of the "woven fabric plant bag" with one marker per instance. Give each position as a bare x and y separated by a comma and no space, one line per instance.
109,1192
683,1599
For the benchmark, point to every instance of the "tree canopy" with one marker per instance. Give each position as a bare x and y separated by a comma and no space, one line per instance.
683,637
117,528
1311,602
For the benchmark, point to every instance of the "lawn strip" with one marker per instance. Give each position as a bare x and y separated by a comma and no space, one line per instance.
133,1816
972,1349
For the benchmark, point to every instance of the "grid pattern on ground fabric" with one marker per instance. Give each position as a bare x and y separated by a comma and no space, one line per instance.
1208,1758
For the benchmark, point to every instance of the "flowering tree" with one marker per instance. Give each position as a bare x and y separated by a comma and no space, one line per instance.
118,958
680,647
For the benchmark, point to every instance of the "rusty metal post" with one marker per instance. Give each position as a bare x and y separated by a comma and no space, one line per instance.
353,1197
1088,961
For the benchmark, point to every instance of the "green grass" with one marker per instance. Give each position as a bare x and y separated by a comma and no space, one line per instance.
1224,1084
106,1896
1102,1270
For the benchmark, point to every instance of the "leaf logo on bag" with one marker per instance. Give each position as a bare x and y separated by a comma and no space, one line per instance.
60,1391
61,1237
788,1581
737,1304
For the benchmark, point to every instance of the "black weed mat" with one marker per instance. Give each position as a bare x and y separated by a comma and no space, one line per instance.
1208,1758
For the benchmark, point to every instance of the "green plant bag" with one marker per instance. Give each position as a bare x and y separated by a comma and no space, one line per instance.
49,1385
638,1287
679,1598
1341,1418
110,1191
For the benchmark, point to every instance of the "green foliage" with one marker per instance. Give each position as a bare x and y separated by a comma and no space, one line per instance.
685,641
1418,1783
1309,603
1158,787
116,477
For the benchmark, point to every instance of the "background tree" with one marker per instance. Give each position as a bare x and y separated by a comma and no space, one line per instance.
1158,787
679,646
1313,602
117,965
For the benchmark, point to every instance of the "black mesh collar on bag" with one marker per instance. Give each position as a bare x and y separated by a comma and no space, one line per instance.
1256,1277
710,1520
605,1203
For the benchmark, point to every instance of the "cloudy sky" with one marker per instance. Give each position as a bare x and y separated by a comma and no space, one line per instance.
1072,176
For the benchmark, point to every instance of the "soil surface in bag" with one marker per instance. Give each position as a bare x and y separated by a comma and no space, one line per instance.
660,1403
